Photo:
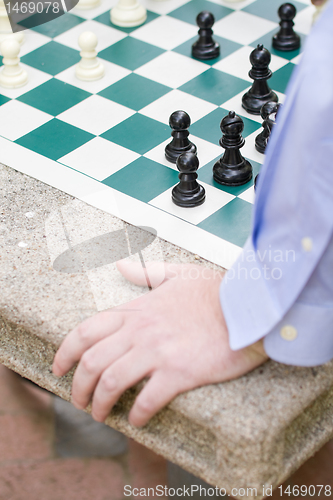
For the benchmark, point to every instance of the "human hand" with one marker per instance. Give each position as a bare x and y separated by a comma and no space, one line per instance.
175,335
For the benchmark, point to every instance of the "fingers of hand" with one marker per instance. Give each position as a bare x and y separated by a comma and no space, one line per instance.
83,337
121,375
94,362
158,392
156,273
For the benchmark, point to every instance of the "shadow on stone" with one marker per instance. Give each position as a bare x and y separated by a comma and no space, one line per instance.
78,435
180,478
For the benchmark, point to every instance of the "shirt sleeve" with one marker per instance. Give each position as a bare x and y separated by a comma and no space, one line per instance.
278,289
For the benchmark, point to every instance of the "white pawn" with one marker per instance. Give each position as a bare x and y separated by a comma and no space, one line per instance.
89,68
5,26
318,12
87,4
12,74
128,13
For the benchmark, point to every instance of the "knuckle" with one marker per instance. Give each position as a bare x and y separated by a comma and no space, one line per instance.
145,406
82,333
89,363
108,383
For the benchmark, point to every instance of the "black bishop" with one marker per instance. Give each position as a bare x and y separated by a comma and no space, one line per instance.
232,169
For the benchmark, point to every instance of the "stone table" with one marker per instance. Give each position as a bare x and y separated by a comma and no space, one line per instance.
246,433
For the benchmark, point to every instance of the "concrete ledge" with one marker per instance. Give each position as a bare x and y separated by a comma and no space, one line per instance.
250,432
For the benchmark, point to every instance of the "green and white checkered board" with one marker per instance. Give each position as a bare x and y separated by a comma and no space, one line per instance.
103,141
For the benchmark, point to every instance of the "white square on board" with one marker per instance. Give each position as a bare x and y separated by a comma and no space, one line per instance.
162,108
172,69
248,195
165,32
242,27
33,41
18,119
35,79
113,73
96,114
99,158
215,199
106,35
303,20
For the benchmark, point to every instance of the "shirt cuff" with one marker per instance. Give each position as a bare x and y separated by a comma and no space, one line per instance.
303,338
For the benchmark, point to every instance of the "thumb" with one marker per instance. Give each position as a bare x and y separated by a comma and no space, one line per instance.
153,275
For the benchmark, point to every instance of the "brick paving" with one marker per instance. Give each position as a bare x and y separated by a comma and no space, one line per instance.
47,453
34,449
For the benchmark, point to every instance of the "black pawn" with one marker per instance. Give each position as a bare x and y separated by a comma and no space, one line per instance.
205,47
232,169
259,93
256,179
179,121
188,193
268,114
286,39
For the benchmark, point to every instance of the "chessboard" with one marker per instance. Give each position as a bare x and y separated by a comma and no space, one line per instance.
103,141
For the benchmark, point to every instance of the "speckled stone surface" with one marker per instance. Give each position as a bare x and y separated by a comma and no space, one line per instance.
250,432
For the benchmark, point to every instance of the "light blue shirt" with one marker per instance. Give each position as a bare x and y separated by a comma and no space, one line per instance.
281,288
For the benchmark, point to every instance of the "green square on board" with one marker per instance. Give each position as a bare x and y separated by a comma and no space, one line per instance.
135,91
52,58
143,179
190,10
138,133
215,86
232,222
268,9
3,99
281,77
59,25
54,97
267,41
130,53
54,139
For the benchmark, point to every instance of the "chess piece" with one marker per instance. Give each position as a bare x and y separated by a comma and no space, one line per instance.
318,11
6,26
89,68
286,39
188,193
256,179
232,169
205,48
87,4
128,13
12,74
259,93
179,121
268,114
